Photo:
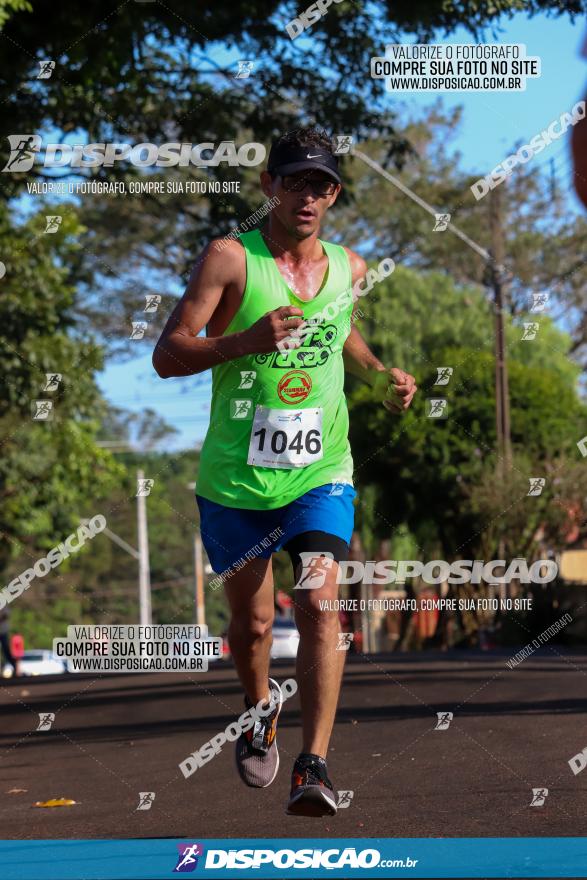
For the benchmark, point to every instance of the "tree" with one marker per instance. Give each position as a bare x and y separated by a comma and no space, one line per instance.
423,471
544,239
146,72
51,469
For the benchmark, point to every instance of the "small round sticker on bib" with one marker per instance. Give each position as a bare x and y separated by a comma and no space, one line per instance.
294,387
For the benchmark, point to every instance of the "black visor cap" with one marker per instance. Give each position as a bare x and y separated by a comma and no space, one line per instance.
287,159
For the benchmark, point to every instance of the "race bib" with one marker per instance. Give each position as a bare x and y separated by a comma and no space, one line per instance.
282,438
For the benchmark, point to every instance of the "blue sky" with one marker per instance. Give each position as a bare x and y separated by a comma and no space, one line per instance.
492,123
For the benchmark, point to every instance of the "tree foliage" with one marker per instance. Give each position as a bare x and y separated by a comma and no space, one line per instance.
424,472
50,469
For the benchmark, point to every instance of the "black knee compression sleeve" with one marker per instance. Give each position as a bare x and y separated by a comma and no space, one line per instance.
317,543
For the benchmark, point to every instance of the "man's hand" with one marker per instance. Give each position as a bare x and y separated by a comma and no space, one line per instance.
264,335
395,388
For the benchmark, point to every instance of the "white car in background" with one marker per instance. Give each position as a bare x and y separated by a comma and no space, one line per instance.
286,639
37,663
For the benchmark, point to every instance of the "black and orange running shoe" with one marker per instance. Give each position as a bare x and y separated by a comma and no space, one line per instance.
257,758
311,789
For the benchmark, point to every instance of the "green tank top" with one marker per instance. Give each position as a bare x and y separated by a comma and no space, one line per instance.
279,421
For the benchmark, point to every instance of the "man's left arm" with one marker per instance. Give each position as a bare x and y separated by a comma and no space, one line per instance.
394,387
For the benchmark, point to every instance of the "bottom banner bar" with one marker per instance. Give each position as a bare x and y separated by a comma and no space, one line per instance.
158,859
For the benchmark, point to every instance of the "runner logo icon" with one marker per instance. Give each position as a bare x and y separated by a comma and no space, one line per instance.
291,417
187,860
315,567
22,151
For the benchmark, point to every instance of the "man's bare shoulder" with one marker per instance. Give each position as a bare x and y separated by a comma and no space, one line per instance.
222,259
358,264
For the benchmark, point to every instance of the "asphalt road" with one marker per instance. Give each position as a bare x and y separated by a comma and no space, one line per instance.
118,735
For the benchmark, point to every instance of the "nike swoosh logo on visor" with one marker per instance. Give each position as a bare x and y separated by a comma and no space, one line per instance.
317,156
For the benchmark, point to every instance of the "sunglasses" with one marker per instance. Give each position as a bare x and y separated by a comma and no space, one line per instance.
320,187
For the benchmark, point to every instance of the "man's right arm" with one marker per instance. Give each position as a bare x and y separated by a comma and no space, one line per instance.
181,352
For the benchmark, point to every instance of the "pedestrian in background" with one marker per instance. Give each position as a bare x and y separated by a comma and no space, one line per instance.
5,639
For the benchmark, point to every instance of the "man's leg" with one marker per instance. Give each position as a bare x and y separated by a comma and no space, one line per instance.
319,664
319,667
250,596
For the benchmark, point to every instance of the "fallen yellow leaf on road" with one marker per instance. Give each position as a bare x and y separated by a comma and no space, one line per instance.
55,802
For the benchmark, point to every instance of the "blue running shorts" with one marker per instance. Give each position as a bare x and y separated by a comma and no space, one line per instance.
232,534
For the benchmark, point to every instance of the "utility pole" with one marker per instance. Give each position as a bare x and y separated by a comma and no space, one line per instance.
552,180
365,618
199,569
142,554
502,399
200,605
144,568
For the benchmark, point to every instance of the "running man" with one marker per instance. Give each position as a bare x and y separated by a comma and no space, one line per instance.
276,454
